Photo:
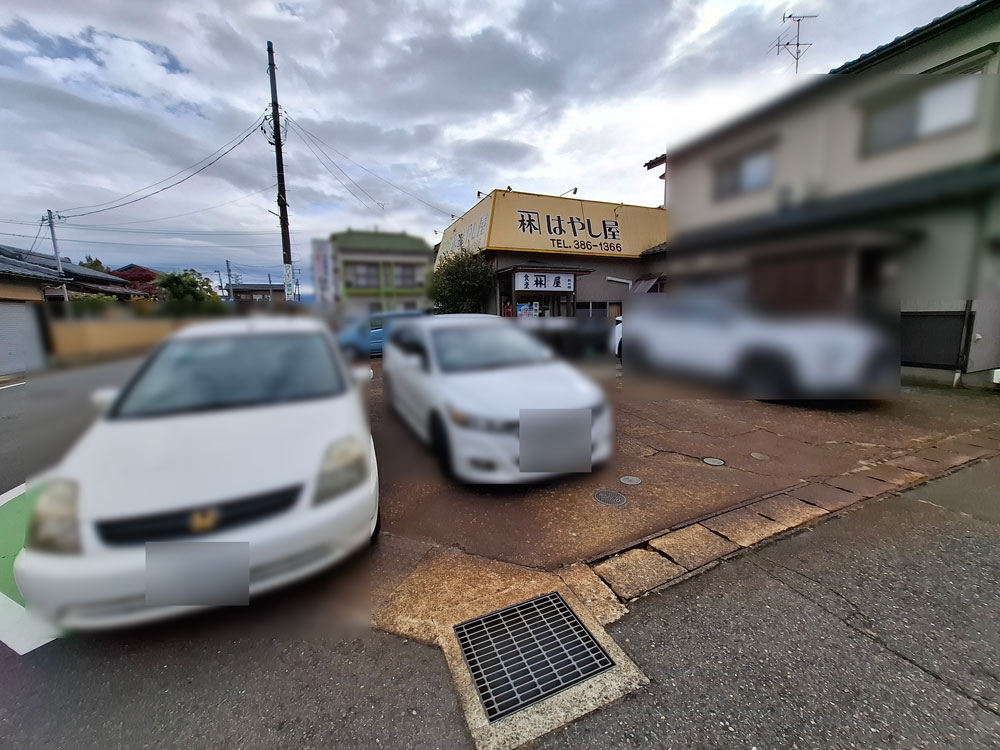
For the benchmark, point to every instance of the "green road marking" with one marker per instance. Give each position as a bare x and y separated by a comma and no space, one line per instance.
14,516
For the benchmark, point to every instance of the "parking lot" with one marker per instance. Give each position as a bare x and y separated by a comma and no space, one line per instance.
765,447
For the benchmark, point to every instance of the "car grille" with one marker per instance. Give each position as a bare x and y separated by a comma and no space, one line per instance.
178,524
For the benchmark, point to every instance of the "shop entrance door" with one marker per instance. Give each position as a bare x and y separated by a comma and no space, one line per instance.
547,305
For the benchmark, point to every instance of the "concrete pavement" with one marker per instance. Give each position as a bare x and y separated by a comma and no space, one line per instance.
878,628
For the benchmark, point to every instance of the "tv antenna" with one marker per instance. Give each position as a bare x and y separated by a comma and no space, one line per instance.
797,48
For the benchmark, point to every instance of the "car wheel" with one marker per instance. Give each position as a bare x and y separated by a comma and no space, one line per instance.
766,377
352,353
634,357
387,393
440,445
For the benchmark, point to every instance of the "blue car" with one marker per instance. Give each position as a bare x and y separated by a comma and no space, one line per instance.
364,337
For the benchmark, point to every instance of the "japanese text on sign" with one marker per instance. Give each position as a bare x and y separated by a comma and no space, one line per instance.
528,281
586,234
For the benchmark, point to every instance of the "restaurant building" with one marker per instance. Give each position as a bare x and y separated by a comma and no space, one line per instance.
556,256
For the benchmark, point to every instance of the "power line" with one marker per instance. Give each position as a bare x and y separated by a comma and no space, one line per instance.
40,225
373,174
189,213
254,126
306,136
171,232
166,187
140,244
335,175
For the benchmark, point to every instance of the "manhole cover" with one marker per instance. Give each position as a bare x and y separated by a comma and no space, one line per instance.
760,456
714,461
630,480
609,497
524,653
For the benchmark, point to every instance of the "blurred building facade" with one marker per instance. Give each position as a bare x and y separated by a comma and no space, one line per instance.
881,179
558,256
359,272
250,292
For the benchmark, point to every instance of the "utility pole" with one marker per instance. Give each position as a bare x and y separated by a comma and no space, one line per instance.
220,279
269,278
800,47
55,251
286,243
229,275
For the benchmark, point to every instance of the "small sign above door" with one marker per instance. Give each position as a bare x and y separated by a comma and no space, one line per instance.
528,281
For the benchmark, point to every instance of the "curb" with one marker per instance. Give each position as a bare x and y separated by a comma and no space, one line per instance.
686,550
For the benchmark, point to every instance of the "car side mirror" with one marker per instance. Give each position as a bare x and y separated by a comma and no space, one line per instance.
102,398
362,374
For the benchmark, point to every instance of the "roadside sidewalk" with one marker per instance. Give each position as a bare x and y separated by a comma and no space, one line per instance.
877,628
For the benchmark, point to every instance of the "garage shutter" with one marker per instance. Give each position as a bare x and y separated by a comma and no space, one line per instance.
20,345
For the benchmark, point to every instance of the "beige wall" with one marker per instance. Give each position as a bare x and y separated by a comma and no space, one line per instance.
817,140
20,290
86,339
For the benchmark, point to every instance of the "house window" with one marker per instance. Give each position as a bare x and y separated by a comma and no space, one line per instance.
744,174
921,114
374,307
363,276
405,276
410,305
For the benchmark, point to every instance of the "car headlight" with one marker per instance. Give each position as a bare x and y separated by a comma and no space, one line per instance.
473,422
54,524
345,465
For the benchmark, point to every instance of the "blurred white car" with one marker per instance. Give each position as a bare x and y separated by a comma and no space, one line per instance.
249,431
461,381
758,355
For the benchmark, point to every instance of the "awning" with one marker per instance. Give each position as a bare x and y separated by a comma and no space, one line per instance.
641,286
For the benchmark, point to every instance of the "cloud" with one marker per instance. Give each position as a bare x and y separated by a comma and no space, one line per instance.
497,151
440,98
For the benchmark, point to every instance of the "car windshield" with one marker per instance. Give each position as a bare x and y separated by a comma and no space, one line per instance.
485,347
204,374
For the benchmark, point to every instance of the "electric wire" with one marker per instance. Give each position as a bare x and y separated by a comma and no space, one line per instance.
373,174
335,175
166,187
251,128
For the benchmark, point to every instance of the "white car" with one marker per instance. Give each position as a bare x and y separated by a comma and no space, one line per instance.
250,431
461,383
759,355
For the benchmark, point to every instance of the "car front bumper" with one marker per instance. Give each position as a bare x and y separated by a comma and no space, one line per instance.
480,457
107,588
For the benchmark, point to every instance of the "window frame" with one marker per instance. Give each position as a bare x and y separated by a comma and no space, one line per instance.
737,160
912,94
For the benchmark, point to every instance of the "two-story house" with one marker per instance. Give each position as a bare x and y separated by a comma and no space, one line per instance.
881,178
361,272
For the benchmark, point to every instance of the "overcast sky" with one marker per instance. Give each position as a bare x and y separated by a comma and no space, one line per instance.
104,97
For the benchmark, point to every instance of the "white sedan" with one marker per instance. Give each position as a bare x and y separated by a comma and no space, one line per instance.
237,460
493,402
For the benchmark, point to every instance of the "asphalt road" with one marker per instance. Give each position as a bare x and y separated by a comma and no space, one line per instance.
40,420
879,628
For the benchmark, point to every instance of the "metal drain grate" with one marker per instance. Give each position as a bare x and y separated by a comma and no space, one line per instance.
609,497
524,653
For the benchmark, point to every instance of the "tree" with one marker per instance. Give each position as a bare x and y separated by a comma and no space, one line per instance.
187,286
140,279
94,264
461,283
